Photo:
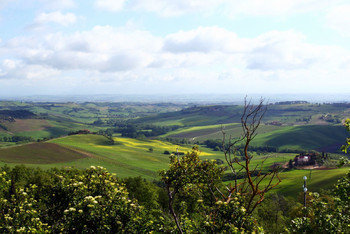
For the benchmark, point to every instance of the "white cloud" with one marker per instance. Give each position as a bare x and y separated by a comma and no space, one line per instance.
204,39
57,4
174,8
232,8
110,5
55,17
281,50
209,56
269,51
15,69
274,7
103,49
338,18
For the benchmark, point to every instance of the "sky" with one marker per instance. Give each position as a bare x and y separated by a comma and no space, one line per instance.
90,47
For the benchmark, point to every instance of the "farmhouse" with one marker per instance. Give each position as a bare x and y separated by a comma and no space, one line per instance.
305,159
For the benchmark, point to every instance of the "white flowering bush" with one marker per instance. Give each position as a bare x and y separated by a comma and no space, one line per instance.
71,201
100,203
18,208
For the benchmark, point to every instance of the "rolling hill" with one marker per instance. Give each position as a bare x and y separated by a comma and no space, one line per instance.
307,137
39,153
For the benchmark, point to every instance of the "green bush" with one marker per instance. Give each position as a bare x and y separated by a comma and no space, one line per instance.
78,201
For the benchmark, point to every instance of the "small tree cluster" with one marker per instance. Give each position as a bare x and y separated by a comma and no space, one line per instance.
195,201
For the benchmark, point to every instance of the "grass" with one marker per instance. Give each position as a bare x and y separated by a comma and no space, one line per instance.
38,153
131,157
197,130
202,133
292,181
24,125
303,137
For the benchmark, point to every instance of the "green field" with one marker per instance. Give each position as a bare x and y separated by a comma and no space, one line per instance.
292,181
307,137
131,157
285,127
201,133
291,114
128,157
39,153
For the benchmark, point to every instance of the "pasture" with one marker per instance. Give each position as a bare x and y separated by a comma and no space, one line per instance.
39,153
132,157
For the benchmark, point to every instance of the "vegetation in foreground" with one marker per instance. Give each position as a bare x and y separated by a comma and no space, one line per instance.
94,200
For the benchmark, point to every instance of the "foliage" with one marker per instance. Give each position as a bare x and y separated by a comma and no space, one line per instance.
16,139
69,200
275,213
326,214
347,144
193,184
146,193
18,114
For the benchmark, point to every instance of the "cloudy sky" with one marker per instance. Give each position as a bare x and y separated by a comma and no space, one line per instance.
174,46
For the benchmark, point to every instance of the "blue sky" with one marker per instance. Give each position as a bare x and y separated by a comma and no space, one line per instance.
166,46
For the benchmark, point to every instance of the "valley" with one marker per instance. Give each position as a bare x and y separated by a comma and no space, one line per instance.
144,135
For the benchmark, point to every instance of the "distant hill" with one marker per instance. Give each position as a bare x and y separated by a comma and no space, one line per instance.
288,113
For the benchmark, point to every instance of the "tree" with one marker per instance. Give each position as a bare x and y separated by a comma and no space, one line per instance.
189,175
347,144
326,214
222,208
290,164
251,187
70,201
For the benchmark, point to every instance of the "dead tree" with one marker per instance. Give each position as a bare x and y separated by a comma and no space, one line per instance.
251,185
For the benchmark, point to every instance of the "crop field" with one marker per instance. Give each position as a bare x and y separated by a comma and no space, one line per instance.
303,137
201,133
306,137
131,157
292,114
39,153
24,125
128,157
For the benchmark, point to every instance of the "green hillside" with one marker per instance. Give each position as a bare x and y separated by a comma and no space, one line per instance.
285,114
292,181
132,157
128,157
39,153
307,137
201,133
